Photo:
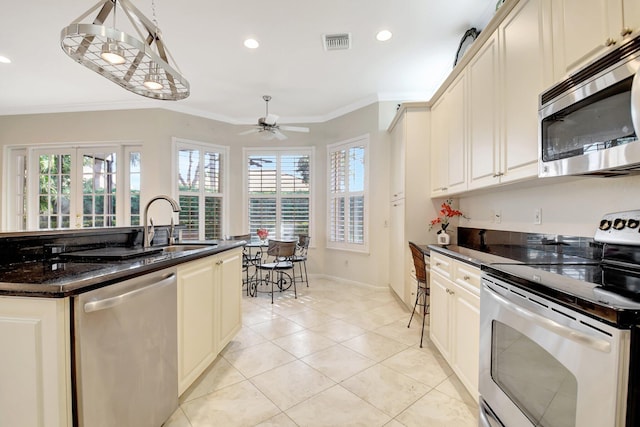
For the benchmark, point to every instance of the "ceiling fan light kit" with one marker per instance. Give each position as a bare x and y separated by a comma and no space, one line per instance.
269,127
143,68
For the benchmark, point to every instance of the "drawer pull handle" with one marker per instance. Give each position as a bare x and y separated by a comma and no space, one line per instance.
609,42
438,264
466,277
626,31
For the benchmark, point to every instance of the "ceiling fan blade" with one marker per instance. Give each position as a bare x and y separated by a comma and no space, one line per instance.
295,128
250,131
279,135
271,119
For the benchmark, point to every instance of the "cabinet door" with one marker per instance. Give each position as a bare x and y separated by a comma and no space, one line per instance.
466,336
197,342
397,156
483,116
581,30
396,249
523,61
439,314
631,15
457,140
229,306
439,147
35,362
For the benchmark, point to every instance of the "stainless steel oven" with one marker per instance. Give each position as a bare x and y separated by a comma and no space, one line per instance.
560,339
589,123
543,364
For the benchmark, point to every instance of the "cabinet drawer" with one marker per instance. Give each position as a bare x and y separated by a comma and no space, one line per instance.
466,276
441,264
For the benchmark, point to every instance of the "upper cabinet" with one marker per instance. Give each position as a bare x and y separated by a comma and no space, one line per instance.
485,122
583,29
449,140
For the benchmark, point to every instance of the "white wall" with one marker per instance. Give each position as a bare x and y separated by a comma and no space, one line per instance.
570,206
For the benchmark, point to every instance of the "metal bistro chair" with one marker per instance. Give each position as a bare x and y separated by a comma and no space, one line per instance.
281,253
300,257
422,291
249,259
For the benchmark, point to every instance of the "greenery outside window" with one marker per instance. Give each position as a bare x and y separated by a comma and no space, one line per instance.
200,187
279,192
70,187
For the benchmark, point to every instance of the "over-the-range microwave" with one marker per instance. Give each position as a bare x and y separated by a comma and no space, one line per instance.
589,122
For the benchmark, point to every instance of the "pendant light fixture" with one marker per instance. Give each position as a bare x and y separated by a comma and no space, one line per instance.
142,67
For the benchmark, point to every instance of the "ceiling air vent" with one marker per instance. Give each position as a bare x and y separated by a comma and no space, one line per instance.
337,41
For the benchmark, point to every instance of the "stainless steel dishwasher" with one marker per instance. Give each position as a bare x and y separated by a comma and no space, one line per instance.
125,351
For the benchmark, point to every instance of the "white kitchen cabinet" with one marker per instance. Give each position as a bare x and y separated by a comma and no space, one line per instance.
505,78
35,367
209,312
229,307
454,319
410,205
583,29
484,109
449,140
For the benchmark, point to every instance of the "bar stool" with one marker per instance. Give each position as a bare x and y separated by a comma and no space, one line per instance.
422,291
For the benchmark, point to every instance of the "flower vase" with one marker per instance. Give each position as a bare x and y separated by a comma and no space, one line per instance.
443,238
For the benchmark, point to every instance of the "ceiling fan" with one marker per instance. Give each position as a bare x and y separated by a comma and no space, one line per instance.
268,125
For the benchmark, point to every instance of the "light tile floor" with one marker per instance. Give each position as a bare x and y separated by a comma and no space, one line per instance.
339,355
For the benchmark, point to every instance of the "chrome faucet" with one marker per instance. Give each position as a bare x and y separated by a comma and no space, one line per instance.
145,231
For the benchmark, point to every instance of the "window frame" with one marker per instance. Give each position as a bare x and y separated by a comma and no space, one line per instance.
364,141
31,154
178,144
278,152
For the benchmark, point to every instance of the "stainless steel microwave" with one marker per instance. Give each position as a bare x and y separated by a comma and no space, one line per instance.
589,122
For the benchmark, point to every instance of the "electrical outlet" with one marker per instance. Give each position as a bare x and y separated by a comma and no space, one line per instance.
537,216
497,216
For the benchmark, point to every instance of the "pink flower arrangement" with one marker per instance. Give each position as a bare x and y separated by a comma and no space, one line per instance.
262,233
446,212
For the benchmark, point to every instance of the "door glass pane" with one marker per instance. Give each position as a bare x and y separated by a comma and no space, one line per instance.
544,389
135,174
54,185
99,189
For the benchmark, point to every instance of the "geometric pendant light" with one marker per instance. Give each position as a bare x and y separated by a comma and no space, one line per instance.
140,67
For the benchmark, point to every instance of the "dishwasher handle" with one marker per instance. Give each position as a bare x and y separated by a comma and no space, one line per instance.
106,303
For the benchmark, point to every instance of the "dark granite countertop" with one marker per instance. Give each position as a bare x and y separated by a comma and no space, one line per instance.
59,277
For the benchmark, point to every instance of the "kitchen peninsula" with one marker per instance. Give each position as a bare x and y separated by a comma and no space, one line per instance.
43,275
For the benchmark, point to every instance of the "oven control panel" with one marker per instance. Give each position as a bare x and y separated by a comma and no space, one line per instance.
622,228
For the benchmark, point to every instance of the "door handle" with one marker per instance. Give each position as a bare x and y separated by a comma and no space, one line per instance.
110,302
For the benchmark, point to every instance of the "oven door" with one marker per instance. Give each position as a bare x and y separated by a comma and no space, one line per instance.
542,364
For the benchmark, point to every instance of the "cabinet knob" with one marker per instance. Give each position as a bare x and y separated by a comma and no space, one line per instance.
626,31
438,264
609,42
466,278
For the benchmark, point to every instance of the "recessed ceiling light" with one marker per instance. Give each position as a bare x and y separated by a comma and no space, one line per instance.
251,43
5,60
384,35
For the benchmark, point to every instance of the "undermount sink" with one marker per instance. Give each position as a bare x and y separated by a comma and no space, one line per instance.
185,248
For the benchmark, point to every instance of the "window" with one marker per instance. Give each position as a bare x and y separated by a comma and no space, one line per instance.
347,201
200,189
279,192
72,187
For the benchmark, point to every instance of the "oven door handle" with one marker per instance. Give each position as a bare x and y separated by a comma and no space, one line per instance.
565,331
635,102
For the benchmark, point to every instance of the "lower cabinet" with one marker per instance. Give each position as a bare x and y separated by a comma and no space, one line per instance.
35,367
209,311
455,316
